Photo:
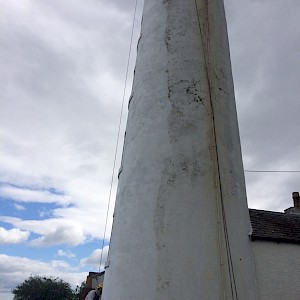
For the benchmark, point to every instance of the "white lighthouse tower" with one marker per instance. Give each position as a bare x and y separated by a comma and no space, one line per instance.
181,224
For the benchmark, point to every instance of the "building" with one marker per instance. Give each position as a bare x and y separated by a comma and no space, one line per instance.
276,245
92,281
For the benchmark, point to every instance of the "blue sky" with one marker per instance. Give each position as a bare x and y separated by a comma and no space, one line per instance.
62,75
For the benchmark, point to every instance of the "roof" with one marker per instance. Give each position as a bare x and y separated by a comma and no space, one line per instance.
96,273
275,226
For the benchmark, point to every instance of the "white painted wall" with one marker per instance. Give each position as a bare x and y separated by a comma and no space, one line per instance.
277,270
168,240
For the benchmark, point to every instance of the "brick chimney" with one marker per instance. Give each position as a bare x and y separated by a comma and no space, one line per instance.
296,199
296,208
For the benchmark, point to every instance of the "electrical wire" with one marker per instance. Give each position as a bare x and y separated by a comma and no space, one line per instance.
118,136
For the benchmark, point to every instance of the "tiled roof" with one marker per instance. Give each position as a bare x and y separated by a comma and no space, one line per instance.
275,226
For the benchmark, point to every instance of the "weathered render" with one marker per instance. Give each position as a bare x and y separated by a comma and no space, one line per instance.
181,224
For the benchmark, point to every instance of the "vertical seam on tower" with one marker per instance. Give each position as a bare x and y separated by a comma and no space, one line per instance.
218,177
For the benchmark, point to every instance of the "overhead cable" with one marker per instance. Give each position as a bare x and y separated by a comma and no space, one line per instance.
118,136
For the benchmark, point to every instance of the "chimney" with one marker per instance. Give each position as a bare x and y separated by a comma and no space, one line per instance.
296,208
296,199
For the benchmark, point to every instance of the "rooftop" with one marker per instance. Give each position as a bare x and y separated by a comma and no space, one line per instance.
275,226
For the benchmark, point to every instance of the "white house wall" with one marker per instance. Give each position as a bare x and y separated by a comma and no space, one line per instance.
277,270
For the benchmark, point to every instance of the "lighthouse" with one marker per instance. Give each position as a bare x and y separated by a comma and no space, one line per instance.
181,224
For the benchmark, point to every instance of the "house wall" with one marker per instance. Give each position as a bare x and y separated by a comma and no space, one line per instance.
93,279
96,280
277,270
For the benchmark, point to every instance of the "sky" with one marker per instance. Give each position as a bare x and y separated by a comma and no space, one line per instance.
63,68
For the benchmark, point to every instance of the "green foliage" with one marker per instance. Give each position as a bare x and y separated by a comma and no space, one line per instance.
78,291
43,288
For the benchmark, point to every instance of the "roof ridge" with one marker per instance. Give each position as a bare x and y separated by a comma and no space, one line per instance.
275,226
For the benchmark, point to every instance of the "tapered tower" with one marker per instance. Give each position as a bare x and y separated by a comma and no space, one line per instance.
181,224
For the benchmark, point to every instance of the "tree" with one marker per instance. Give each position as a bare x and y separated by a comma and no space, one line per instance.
43,288
79,291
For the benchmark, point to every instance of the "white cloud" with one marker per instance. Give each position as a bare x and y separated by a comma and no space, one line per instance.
53,231
19,207
29,195
67,253
94,259
14,269
60,103
13,236
63,234
70,226
264,53
44,212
